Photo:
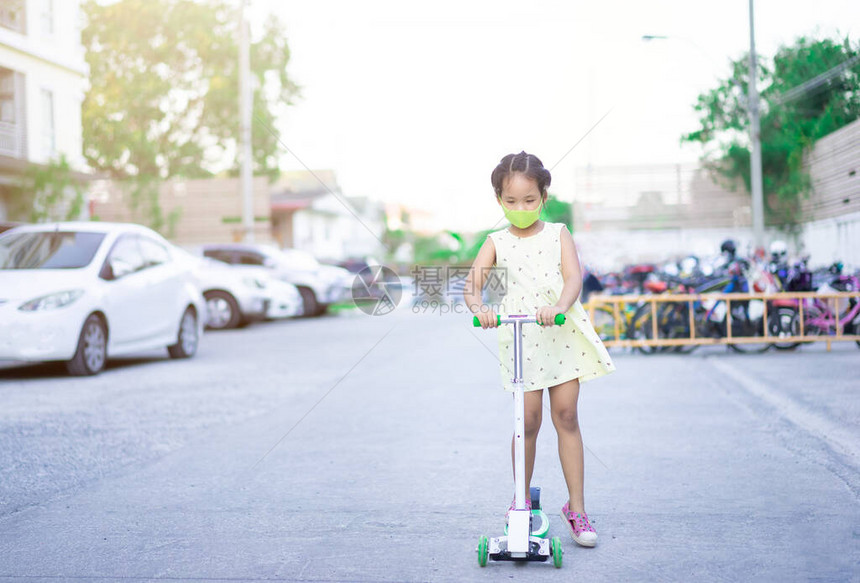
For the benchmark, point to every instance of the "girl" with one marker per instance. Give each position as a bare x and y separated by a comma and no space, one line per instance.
543,277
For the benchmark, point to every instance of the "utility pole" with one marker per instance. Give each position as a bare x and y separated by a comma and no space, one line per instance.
755,145
245,105
752,106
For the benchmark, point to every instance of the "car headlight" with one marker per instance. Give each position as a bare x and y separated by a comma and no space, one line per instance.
52,301
254,282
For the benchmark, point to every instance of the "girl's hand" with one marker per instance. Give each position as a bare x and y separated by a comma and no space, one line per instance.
487,318
546,315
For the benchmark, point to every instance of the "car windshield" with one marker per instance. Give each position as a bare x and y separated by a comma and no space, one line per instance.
48,249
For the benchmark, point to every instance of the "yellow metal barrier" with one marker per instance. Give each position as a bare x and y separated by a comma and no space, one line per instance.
619,308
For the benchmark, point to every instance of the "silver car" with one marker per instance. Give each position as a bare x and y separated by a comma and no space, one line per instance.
319,285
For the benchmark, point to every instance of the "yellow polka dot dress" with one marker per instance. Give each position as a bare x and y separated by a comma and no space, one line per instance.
531,269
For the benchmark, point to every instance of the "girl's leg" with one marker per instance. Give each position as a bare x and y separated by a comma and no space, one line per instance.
563,400
533,408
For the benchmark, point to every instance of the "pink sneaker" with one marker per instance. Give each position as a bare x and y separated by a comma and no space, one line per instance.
513,504
580,529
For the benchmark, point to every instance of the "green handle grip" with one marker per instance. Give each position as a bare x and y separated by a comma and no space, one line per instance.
559,320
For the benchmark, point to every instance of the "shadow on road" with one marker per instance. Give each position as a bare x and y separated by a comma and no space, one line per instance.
48,370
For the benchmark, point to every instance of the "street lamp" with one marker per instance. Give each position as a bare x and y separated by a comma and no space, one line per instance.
650,37
752,105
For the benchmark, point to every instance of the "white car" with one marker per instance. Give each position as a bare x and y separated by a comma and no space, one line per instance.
319,285
83,292
285,300
235,296
280,299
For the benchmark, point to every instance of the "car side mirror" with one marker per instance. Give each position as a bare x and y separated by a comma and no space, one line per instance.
269,263
106,272
119,268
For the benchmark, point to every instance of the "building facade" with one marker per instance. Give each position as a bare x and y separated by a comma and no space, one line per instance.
42,81
653,213
303,210
311,213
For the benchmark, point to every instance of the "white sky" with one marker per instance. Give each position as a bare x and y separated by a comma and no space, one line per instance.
417,102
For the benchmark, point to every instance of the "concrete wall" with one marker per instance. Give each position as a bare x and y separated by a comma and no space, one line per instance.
833,239
832,231
209,210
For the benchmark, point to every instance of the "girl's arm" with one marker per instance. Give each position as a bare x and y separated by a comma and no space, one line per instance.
571,272
475,284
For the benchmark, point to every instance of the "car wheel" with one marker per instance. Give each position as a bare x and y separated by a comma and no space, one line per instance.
186,345
222,311
91,354
310,304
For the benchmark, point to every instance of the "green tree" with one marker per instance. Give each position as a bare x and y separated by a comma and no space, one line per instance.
48,192
790,123
163,95
558,211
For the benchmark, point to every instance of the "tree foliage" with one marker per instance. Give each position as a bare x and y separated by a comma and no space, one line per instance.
164,87
788,127
558,211
48,192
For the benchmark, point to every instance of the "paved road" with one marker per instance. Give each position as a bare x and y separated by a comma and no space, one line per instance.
357,448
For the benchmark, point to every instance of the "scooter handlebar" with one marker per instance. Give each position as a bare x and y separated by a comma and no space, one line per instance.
559,320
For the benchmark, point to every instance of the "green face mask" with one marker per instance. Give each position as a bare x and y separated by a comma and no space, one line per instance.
522,219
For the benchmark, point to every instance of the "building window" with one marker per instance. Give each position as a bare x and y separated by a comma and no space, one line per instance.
13,15
7,96
49,141
47,17
12,118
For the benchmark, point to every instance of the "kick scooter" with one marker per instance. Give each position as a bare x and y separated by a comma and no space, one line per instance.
526,531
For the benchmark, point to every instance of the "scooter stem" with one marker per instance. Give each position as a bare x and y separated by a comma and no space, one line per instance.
519,402
519,421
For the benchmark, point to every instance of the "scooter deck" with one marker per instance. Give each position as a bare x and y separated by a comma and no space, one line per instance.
539,550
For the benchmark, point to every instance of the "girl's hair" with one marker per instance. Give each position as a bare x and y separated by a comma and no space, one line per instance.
527,164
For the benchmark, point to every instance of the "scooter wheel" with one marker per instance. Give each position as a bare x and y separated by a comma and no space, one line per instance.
483,550
556,551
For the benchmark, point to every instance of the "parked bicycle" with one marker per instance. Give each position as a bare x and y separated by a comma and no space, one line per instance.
821,317
711,318
633,280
